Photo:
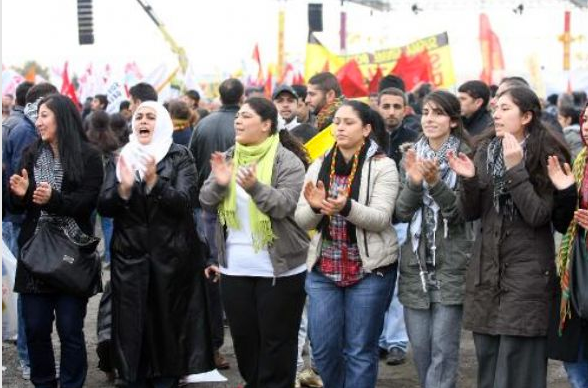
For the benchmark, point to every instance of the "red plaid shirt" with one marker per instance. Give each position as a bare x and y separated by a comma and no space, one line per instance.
340,260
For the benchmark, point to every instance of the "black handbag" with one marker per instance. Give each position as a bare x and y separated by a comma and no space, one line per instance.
70,266
579,279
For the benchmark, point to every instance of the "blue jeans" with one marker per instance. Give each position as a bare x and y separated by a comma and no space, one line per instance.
345,324
10,232
394,333
107,227
578,371
39,310
434,336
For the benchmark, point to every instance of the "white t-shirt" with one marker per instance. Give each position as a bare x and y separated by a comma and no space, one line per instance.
242,260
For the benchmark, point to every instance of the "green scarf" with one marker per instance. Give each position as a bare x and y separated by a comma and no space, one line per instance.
566,248
263,155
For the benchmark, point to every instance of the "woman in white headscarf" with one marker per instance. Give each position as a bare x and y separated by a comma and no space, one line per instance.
159,322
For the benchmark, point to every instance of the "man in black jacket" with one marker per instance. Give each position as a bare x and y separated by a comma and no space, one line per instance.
473,98
392,107
215,132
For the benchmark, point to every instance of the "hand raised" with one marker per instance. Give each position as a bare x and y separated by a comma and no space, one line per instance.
247,176
150,176
581,216
19,184
430,171
332,206
42,193
511,151
315,195
561,179
223,170
411,166
461,164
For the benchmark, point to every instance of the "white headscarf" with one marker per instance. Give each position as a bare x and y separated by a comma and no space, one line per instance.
160,142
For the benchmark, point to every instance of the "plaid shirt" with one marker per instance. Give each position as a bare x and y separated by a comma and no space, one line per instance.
340,260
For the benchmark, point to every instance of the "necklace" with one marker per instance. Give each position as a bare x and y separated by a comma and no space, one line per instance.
355,158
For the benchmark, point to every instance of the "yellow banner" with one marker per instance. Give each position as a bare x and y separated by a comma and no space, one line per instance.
437,47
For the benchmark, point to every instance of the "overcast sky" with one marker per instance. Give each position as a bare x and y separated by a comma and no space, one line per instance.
219,35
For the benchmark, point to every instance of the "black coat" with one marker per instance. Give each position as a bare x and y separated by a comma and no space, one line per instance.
159,313
511,279
567,346
478,122
75,200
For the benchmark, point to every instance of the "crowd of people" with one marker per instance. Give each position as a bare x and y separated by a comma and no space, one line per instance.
431,212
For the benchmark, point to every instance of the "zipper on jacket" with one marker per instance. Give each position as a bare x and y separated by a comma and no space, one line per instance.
367,202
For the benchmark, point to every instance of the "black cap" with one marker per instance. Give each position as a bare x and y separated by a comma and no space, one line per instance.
284,88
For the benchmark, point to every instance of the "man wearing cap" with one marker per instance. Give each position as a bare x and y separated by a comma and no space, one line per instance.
285,99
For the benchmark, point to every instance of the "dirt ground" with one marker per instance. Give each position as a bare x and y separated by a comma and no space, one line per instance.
402,376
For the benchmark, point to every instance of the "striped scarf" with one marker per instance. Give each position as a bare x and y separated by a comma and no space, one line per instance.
564,256
48,169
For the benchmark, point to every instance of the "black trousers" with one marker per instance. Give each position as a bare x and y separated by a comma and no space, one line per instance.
264,318
511,362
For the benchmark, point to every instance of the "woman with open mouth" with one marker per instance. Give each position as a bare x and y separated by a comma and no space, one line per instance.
159,319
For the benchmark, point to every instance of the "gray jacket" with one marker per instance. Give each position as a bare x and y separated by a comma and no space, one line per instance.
371,213
278,201
453,239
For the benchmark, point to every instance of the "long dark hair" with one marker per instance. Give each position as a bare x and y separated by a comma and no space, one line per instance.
267,111
369,116
541,141
70,136
450,106
100,134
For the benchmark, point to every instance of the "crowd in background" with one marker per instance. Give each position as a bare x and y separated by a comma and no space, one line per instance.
432,211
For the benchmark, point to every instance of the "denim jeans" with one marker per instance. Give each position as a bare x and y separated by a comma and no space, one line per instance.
39,311
394,332
434,337
345,325
302,336
106,224
10,232
578,371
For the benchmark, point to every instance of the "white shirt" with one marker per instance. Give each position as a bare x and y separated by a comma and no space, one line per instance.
242,260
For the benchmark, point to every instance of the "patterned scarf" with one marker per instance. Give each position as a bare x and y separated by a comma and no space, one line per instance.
566,250
263,155
496,167
430,207
48,169
31,110
325,116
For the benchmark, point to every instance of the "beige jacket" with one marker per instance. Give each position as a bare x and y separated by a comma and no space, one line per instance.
371,213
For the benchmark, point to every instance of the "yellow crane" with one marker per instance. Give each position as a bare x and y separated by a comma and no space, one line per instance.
177,49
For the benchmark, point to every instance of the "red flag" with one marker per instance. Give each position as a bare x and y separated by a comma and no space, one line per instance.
267,88
414,69
351,80
298,79
375,81
257,58
492,59
67,88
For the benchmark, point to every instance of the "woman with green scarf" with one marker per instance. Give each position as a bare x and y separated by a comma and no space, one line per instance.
254,187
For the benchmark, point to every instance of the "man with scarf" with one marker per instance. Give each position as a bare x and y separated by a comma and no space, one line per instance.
22,135
324,98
